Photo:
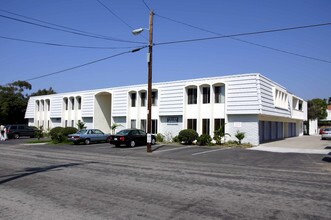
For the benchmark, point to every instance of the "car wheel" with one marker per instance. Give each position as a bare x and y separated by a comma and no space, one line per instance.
323,138
117,145
132,143
153,141
16,136
87,141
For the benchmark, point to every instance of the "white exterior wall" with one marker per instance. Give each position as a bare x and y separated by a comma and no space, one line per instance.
248,99
243,123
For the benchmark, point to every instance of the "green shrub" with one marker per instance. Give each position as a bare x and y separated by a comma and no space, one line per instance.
69,130
56,135
240,136
175,139
159,137
187,136
204,139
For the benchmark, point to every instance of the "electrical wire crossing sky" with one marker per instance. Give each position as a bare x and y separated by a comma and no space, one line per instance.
82,45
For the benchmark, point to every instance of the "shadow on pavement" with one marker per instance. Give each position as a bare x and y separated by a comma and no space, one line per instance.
34,170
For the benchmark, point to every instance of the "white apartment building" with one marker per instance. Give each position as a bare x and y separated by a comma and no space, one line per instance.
249,103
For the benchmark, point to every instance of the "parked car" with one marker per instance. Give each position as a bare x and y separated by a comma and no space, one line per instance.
130,137
19,130
88,135
326,133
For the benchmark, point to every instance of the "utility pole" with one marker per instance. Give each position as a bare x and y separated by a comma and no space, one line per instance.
150,73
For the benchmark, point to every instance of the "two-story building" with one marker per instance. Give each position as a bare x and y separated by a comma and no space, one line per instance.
249,103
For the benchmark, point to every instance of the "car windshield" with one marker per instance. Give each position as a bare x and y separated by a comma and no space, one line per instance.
81,132
123,132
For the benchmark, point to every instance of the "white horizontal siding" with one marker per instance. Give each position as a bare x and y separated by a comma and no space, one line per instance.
87,105
56,106
267,99
29,113
242,95
120,103
171,99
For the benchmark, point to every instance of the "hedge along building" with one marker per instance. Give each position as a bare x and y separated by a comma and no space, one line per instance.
249,103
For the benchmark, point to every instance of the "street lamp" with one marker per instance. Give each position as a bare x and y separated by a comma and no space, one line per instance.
149,91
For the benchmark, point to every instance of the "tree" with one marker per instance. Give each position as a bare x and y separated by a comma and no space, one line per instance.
317,109
13,102
43,92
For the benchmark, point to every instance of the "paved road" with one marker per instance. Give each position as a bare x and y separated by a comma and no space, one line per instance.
100,182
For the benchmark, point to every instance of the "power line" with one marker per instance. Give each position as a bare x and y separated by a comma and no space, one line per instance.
71,32
85,64
62,45
244,41
243,34
149,9
118,17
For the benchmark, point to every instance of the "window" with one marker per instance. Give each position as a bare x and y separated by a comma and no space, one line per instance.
206,95
133,123
192,124
143,124
66,123
37,103
79,102
65,103
72,123
154,98
205,126
218,122
280,99
72,103
47,124
219,94
143,99
192,96
133,99
48,103
42,105
300,105
154,126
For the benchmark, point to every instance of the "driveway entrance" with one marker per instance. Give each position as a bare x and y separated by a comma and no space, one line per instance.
301,144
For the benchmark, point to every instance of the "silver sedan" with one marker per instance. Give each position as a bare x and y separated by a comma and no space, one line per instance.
88,135
326,133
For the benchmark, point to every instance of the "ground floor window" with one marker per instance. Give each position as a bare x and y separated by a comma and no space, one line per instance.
218,123
154,126
72,123
205,126
133,123
66,123
192,124
143,125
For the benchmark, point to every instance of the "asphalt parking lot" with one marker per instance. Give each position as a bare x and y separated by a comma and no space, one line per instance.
201,154
99,181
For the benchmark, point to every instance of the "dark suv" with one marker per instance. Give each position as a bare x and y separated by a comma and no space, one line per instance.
19,130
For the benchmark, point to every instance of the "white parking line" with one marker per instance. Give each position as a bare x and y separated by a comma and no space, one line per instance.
177,148
209,151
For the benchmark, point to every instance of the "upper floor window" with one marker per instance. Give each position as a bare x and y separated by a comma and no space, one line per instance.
79,102
192,96
48,104
154,98
72,103
65,103
37,104
133,99
206,95
143,99
192,124
42,105
280,99
219,94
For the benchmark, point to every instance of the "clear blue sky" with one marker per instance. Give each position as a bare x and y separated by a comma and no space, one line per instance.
304,77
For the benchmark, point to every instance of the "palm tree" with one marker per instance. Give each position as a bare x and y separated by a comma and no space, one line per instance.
114,127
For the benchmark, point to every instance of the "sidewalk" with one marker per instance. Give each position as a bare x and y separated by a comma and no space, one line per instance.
303,144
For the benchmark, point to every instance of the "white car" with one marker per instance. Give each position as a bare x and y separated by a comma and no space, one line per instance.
326,133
